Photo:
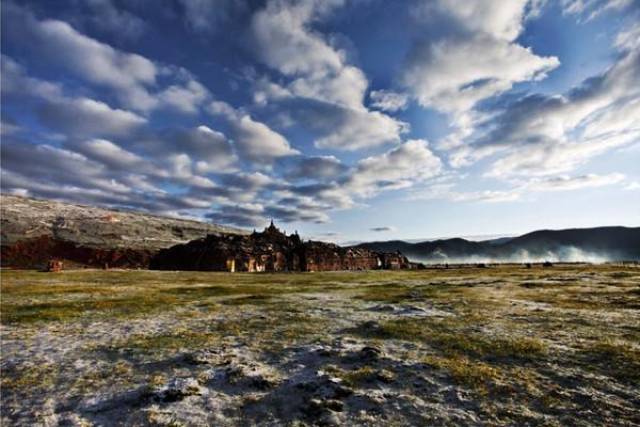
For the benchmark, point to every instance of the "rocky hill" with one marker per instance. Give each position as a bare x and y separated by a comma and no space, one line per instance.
34,231
573,245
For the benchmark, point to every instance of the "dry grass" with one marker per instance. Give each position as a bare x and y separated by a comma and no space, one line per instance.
524,344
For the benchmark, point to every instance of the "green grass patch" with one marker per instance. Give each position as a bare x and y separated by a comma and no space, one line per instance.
453,338
477,375
129,306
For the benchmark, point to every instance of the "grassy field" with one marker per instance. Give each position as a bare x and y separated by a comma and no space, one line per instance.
486,346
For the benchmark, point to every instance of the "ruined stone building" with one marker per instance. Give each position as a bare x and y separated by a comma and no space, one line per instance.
271,251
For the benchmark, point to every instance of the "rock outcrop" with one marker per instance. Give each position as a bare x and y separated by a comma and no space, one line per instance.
36,231
271,250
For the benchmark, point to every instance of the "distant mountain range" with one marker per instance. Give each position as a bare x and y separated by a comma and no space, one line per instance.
572,245
33,231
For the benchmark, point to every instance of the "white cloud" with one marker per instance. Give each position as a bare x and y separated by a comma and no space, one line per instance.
83,116
185,98
211,148
357,129
319,72
254,140
75,116
285,42
133,78
632,186
257,142
476,59
568,183
46,163
112,155
542,134
400,167
128,74
519,189
593,8
314,168
181,168
386,100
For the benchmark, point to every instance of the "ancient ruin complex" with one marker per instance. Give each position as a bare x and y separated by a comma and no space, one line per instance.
271,251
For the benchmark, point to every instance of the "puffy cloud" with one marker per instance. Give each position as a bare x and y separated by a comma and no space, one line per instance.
400,167
255,141
358,129
50,164
259,143
388,101
545,134
499,19
112,155
208,150
132,77
83,116
343,128
75,116
285,42
453,75
97,62
212,149
246,181
315,168
319,75
245,187
475,58
185,98
16,82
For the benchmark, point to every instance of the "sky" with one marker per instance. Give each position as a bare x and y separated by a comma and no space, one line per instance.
346,120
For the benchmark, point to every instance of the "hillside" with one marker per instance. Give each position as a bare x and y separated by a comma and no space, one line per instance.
33,231
572,245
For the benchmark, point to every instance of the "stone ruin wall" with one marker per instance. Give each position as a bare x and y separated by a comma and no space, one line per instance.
271,251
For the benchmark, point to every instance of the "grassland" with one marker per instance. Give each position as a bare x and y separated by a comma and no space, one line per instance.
488,346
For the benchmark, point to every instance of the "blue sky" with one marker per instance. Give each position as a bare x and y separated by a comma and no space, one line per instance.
345,120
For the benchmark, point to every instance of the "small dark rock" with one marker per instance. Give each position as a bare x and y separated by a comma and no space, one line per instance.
323,352
385,377
334,405
341,391
370,353
261,383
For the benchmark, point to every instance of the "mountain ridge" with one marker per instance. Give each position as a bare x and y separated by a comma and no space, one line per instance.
609,243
